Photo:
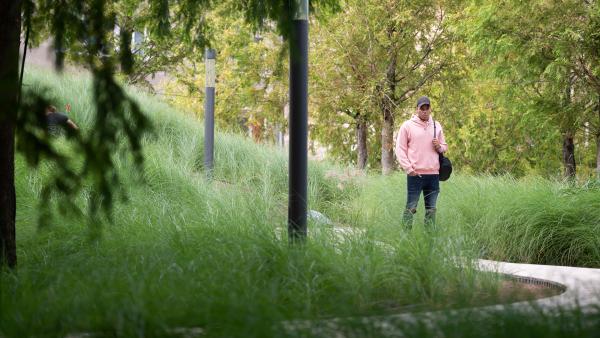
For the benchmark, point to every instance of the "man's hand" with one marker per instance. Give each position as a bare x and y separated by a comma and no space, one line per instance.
72,124
436,144
413,173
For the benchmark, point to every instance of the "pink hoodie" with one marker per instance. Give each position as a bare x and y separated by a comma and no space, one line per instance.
414,146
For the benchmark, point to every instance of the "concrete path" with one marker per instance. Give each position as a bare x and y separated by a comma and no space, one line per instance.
581,285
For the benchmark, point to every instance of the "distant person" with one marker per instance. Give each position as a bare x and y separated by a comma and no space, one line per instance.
56,121
417,150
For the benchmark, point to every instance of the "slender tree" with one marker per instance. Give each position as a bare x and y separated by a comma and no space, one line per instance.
10,25
343,89
547,49
388,51
252,69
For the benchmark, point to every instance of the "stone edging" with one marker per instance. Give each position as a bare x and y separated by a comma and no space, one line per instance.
535,281
581,285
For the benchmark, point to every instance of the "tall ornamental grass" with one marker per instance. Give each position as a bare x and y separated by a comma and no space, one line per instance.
182,251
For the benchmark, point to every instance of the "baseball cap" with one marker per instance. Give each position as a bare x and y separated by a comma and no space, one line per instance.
423,100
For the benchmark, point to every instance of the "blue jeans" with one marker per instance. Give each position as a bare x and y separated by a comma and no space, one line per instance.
430,186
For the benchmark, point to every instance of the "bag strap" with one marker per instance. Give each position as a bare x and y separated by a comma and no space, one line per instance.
434,134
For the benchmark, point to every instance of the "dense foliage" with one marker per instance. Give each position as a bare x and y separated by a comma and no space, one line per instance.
515,84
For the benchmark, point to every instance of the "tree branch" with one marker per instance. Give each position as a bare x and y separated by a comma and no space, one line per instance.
410,91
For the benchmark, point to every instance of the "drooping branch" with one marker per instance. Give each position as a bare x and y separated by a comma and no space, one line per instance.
411,90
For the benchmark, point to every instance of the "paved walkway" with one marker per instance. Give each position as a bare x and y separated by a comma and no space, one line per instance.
582,285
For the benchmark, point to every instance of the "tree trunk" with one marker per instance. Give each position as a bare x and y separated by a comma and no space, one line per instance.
598,156
361,140
8,254
598,142
387,142
569,155
10,29
387,129
568,147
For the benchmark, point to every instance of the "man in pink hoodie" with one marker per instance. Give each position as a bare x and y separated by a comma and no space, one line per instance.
417,149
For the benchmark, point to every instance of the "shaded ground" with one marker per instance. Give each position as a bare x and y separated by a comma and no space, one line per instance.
509,291
514,291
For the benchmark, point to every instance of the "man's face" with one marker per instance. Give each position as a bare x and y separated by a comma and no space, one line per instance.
423,112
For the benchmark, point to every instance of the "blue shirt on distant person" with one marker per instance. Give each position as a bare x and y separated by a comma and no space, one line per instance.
57,121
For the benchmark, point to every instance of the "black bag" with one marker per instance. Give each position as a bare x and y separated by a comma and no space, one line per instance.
445,163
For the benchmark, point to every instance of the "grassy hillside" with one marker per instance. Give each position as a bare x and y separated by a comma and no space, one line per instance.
187,252
184,251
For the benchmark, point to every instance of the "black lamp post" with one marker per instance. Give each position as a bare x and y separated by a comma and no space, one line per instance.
298,151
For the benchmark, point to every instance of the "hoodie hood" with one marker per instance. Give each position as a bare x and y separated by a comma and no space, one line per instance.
418,121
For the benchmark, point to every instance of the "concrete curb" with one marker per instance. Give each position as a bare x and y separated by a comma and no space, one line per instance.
581,285
580,291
